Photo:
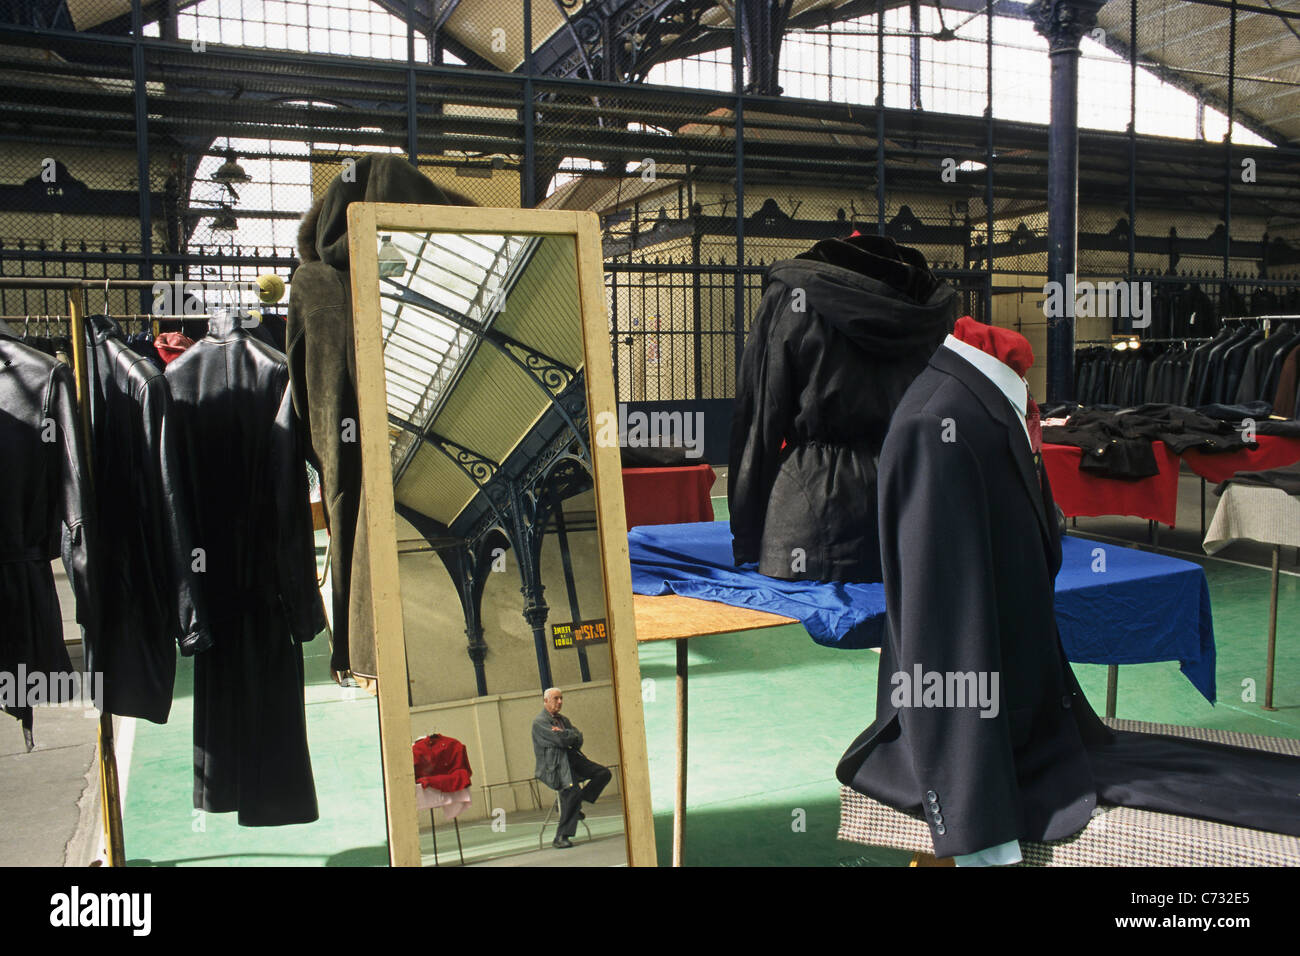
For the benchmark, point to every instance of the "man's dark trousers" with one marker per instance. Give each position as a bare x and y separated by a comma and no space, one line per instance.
571,798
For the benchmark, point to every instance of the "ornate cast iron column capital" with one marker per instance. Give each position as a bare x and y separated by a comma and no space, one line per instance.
1064,22
477,648
536,612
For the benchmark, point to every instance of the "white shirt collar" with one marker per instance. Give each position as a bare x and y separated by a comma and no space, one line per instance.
999,373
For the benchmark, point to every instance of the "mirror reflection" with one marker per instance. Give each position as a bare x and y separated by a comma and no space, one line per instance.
515,756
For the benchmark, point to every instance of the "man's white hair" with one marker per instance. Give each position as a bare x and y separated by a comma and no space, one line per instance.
546,694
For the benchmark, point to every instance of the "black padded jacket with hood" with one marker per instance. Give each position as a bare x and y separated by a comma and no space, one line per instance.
839,335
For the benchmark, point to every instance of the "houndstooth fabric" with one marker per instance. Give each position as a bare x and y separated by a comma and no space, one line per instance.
1117,836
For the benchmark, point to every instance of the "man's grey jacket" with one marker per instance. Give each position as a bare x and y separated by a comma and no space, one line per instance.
552,748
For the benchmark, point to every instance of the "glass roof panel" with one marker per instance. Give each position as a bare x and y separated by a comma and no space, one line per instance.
450,287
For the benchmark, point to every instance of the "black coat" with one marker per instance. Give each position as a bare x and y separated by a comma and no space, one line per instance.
831,352
150,600
970,556
45,512
244,459
1119,444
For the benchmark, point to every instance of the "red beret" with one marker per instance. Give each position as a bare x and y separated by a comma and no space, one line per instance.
1006,345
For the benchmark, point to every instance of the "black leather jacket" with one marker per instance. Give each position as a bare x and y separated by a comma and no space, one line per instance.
44,512
150,599
252,522
246,468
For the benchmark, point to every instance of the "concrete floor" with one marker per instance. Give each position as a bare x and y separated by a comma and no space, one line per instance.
770,714
599,843
49,797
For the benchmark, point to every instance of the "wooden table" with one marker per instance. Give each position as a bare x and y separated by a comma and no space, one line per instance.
669,617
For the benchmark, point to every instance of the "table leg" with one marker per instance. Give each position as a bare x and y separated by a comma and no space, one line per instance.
1112,688
679,808
1202,509
1272,631
433,828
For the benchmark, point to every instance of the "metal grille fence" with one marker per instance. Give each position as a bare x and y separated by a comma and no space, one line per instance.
712,139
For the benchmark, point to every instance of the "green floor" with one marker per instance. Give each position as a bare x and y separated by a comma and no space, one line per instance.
770,713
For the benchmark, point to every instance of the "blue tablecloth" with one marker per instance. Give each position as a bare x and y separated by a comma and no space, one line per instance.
1113,605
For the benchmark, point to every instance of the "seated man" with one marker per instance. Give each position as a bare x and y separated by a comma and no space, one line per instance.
561,765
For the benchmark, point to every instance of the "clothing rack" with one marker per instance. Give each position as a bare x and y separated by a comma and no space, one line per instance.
1267,322
109,789
1261,318
1162,341
76,289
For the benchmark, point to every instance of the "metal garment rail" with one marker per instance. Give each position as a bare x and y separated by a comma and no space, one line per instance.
110,796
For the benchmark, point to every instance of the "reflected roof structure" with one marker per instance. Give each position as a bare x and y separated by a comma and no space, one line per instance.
451,289
482,336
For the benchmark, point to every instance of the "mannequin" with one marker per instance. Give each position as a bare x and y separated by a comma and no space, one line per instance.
841,331
969,551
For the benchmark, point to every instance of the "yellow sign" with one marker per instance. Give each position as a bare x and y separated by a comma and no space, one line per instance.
574,635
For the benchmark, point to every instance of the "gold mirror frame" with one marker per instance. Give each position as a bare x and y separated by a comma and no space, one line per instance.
365,220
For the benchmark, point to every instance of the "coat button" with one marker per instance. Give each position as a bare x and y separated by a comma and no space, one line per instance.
934,808
938,819
931,796
940,829
1066,701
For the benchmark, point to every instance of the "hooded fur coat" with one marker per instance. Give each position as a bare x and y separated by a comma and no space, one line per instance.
323,380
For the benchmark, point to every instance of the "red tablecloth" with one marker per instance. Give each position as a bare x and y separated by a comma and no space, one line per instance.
667,495
1274,451
1084,493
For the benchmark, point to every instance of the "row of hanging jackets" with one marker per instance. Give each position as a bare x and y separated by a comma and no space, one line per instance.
1109,376
1246,362
1240,365
197,536
1193,310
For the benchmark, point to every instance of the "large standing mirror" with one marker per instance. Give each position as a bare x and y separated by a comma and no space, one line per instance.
509,692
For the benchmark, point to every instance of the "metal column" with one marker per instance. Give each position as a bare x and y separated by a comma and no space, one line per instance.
527,181
1063,23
